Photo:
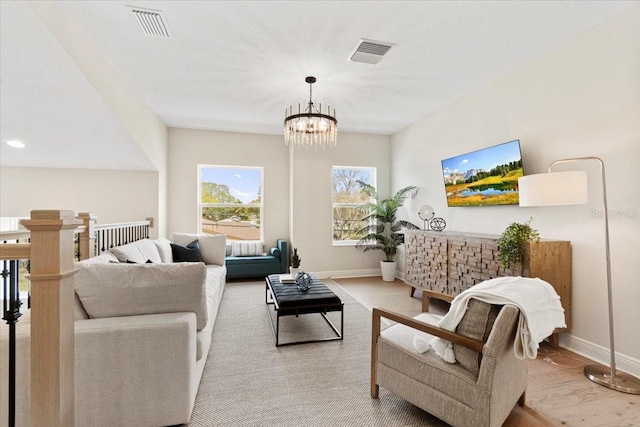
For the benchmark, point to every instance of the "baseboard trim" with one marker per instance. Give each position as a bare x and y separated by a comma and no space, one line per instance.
600,354
345,274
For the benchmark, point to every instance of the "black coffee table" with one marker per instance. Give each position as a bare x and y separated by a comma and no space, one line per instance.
288,300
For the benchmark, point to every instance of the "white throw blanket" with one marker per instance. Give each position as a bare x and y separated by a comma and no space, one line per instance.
539,305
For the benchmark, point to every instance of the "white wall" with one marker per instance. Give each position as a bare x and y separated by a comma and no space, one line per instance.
188,148
312,203
113,195
582,99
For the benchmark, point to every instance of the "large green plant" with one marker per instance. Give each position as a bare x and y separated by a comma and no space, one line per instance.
510,246
382,231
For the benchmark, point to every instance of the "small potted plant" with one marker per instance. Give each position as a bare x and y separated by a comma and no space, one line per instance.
383,229
295,262
510,246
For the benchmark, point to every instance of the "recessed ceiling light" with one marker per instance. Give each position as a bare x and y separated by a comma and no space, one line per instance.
15,143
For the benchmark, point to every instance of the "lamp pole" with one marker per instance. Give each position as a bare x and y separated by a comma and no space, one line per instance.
618,381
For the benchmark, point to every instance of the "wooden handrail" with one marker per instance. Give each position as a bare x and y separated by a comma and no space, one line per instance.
11,251
99,227
15,235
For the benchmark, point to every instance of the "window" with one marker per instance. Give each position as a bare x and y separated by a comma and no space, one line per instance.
347,196
230,201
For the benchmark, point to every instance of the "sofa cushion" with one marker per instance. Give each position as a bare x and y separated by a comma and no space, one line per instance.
189,253
262,259
164,249
113,290
247,248
139,251
212,246
476,323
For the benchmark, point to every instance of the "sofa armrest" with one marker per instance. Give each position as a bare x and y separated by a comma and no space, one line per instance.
147,369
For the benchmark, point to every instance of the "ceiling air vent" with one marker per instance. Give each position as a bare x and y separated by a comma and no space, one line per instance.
152,22
370,51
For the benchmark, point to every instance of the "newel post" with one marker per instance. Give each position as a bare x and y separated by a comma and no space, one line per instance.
52,337
88,236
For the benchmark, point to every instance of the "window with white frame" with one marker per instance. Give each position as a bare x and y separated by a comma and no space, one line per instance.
347,197
230,201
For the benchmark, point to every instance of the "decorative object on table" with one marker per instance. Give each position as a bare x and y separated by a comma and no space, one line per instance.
383,229
438,224
303,280
311,127
510,246
426,214
287,279
295,262
570,188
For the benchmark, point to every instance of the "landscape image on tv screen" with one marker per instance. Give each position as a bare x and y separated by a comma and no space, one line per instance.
484,177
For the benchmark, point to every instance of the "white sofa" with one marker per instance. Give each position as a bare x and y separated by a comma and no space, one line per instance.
143,329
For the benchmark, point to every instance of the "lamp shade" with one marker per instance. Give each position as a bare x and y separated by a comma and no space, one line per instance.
553,188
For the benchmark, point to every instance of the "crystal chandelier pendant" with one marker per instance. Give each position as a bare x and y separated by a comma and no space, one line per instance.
311,127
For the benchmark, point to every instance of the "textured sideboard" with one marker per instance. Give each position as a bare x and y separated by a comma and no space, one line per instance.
443,264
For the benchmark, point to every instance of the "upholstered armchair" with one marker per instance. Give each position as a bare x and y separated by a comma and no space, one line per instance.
480,389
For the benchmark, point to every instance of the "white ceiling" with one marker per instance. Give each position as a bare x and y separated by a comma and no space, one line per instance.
236,66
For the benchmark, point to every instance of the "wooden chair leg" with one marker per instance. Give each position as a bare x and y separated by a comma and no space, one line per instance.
375,333
522,399
425,302
412,292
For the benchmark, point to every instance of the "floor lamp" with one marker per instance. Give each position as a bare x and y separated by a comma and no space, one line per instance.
570,188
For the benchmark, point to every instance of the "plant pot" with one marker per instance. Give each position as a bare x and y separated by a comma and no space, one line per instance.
294,271
388,269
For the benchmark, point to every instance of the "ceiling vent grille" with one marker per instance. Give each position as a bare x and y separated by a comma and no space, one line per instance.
152,22
370,51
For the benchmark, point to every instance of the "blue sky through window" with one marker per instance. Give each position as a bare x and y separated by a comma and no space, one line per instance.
243,183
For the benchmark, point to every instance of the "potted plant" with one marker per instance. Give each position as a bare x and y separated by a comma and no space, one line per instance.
510,245
295,262
382,231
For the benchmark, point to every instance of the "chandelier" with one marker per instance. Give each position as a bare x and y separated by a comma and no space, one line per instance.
310,128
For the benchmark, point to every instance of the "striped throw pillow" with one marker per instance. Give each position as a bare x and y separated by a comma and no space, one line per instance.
247,248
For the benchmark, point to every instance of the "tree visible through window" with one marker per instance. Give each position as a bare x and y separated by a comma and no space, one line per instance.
347,196
230,201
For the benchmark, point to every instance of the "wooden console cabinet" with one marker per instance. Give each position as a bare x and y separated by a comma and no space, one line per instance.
443,264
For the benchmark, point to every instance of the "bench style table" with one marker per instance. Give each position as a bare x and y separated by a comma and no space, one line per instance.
288,300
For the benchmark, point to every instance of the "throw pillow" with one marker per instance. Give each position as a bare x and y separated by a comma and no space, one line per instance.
212,246
247,248
189,253
164,249
476,323
139,251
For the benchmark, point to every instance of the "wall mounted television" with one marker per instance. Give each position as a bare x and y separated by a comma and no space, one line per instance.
484,177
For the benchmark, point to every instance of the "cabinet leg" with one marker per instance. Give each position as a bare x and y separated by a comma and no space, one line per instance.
425,302
412,292
554,340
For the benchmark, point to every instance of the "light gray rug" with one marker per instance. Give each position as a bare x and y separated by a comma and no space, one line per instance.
247,381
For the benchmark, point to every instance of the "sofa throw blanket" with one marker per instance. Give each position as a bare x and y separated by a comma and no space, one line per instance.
539,305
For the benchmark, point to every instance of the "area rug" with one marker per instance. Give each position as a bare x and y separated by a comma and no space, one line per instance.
247,381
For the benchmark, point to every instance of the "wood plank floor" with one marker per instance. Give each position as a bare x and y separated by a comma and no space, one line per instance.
558,393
